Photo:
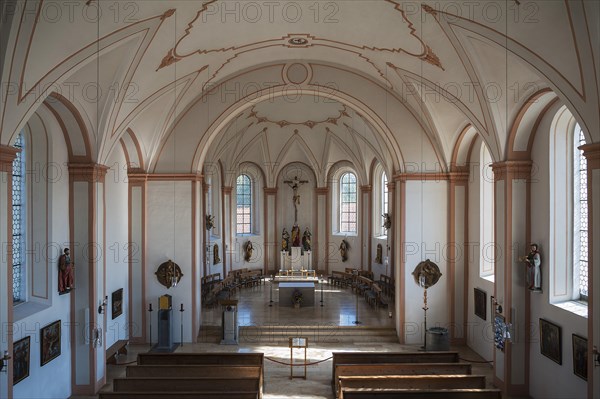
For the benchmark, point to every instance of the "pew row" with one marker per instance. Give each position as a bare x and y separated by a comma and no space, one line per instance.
212,358
428,382
192,371
388,357
384,369
368,393
178,395
197,384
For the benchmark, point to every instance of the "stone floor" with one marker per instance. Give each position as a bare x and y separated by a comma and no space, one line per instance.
340,309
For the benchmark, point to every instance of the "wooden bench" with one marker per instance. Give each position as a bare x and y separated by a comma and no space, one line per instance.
223,358
212,359
387,285
413,382
190,371
383,369
388,357
383,393
178,395
196,384
340,279
118,348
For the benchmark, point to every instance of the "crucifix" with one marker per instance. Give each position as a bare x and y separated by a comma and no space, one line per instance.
295,184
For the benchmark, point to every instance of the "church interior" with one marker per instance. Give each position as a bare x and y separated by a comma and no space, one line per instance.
399,172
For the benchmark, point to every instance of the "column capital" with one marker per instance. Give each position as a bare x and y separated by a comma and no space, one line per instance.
458,177
205,187
366,188
592,154
137,177
270,190
175,177
227,190
418,176
89,172
7,156
391,185
512,170
322,190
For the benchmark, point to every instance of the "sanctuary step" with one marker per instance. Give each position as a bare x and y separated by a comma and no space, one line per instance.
318,334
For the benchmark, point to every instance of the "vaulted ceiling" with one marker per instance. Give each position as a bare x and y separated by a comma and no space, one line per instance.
185,82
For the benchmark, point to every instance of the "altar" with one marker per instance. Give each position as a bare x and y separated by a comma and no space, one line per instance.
286,291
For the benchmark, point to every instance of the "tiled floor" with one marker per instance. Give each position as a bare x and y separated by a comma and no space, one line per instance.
340,309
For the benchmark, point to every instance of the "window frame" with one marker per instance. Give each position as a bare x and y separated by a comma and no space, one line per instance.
19,210
341,202
250,206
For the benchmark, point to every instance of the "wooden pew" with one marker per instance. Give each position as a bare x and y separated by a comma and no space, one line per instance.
178,395
368,393
197,384
190,371
223,358
388,357
208,359
383,369
413,382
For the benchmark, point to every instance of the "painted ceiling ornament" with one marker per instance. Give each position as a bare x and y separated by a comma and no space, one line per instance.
169,274
193,41
339,113
426,274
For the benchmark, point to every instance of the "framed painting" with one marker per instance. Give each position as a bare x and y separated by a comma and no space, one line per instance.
550,341
50,342
580,356
480,298
117,303
21,359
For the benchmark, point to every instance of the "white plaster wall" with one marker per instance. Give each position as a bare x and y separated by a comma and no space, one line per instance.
169,236
53,380
426,238
116,246
379,268
563,384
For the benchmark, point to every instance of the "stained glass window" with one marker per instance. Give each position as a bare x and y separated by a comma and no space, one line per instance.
18,216
580,216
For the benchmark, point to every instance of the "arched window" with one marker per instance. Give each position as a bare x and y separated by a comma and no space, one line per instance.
580,218
384,200
244,205
18,223
348,203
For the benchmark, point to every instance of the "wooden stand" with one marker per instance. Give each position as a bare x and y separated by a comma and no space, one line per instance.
298,342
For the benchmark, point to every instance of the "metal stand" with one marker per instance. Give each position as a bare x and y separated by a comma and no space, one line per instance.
321,281
356,321
425,319
271,292
181,312
150,318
